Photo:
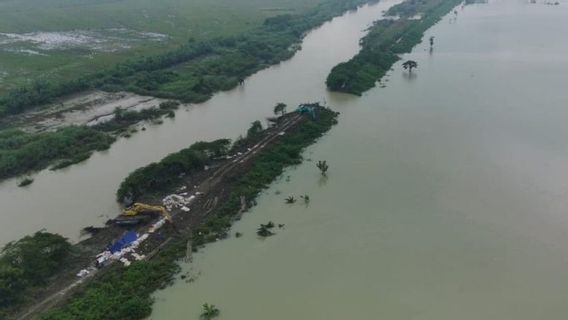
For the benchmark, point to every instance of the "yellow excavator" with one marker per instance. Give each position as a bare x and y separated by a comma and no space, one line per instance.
139,212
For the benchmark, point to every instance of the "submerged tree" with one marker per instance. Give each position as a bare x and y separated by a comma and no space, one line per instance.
322,166
409,65
280,108
290,199
265,230
209,312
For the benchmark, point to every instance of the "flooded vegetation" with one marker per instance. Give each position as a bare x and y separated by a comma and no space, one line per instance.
200,68
385,42
443,198
223,190
438,195
22,152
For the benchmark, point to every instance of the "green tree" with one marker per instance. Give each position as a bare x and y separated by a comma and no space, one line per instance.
255,129
322,166
264,231
29,262
12,285
280,108
38,256
290,199
209,312
409,65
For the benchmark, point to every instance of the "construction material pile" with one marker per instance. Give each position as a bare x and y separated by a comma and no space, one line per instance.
180,201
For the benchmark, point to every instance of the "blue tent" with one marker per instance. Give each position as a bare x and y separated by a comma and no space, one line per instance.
126,240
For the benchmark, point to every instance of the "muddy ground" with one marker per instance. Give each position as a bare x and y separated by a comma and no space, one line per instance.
81,109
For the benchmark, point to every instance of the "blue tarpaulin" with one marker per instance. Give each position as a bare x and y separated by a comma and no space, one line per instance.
126,239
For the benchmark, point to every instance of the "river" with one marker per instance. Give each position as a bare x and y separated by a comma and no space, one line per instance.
84,194
447,191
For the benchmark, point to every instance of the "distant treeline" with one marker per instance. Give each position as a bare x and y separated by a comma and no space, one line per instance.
212,65
386,40
207,67
22,152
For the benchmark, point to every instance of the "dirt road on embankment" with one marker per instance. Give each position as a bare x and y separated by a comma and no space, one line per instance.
211,187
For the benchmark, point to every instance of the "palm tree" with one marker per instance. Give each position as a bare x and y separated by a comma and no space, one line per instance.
209,312
322,165
264,231
409,65
290,199
431,41
280,108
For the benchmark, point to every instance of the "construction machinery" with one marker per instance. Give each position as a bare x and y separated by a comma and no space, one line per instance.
307,109
140,212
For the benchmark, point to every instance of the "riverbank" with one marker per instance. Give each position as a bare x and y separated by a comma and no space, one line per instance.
223,189
386,40
86,191
190,74
23,152
77,38
195,70
445,199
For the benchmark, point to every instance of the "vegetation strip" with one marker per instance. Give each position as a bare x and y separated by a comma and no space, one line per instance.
22,152
208,66
385,41
118,292
191,73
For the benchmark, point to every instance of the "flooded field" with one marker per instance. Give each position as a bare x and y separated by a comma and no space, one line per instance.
86,191
83,109
106,40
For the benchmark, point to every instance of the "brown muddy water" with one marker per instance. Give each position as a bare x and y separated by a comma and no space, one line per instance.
66,200
446,196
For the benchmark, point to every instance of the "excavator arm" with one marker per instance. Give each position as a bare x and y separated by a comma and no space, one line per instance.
142,208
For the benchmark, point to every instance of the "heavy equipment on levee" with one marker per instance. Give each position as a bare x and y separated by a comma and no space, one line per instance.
141,212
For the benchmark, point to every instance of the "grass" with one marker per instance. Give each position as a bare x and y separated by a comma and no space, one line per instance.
192,72
179,19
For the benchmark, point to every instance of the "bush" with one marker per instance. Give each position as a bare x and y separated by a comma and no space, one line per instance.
161,175
384,42
29,262
21,152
